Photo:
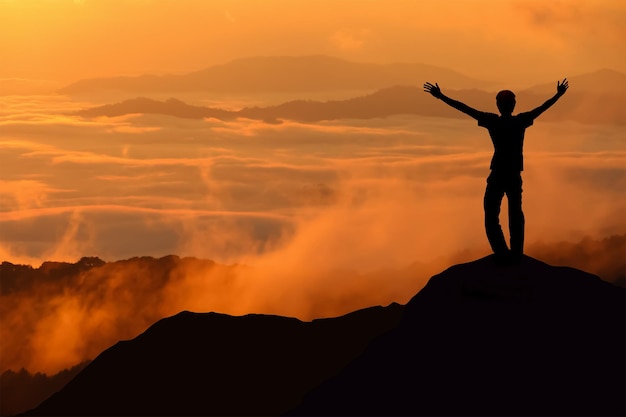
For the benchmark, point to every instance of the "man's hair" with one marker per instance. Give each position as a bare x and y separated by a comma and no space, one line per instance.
505,100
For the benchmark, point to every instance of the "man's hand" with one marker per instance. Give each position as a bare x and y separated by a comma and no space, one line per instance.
561,87
434,90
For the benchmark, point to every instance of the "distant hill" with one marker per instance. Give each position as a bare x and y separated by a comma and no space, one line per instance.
210,363
22,390
312,73
604,81
171,107
580,106
478,339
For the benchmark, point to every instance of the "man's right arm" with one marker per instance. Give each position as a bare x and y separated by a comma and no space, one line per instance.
435,91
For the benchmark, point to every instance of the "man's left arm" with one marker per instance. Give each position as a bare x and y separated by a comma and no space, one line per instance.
561,88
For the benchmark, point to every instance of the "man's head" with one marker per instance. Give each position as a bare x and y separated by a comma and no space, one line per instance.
505,100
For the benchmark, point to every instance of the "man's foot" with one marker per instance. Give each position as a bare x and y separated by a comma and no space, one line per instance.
507,258
501,258
515,257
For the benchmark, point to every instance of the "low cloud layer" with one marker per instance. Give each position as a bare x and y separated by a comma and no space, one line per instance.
313,219
60,314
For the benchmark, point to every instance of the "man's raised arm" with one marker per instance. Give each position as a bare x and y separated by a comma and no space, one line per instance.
436,92
561,88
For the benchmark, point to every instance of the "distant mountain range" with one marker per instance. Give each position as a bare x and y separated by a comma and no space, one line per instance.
286,74
478,339
581,106
316,73
603,81
385,90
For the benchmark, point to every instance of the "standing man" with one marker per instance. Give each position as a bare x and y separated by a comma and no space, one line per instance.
507,134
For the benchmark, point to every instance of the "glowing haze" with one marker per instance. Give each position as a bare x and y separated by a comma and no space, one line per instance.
319,218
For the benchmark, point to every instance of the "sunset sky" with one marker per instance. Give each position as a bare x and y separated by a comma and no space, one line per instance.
58,41
316,219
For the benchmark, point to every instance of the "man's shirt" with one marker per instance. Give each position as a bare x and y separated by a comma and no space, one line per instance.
507,135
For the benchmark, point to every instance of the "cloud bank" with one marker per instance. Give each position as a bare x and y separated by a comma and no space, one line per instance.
305,220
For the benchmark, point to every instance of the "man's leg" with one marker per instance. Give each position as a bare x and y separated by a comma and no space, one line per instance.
492,201
516,216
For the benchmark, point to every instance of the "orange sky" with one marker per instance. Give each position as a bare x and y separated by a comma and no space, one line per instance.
59,41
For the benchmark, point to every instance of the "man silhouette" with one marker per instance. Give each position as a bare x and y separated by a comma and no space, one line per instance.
507,134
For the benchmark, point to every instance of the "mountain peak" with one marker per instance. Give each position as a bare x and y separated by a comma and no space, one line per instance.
482,339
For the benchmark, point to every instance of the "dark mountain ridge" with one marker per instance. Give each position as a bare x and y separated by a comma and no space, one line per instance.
583,107
210,363
478,339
